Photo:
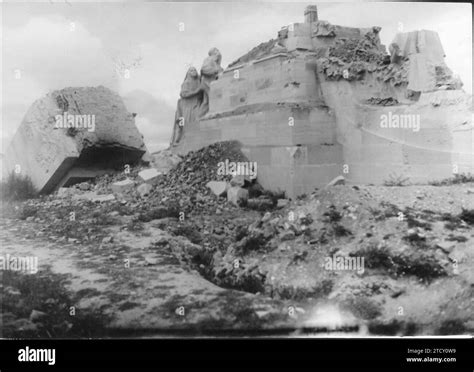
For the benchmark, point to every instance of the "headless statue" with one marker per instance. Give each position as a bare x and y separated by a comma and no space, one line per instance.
187,111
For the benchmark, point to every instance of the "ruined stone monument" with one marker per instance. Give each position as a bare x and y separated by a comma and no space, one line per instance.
324,100
72,135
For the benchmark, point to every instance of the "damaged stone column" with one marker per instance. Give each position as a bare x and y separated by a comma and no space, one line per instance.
71,135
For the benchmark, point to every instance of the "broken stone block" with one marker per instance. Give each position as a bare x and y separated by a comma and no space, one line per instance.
165,160
37,315
72,134
237,196
219,188
103,198
149,175
122,186
84,186
282,203
144,189
339,180
241,181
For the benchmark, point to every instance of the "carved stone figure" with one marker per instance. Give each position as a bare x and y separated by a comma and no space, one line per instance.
210,71
187,111
395,54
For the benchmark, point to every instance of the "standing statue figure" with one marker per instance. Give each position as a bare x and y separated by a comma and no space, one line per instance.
210,71
187,111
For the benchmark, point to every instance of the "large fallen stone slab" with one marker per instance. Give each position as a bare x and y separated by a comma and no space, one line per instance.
71,135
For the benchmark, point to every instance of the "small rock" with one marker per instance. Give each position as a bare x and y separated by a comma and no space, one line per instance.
37,315
274,221
445,246
84,186
25,325
12,291
151,261
107,239
287,235
122,186
282,203
63,327
219,188
237,196
160,241
263,313
144,189
64,192
266,217
50,301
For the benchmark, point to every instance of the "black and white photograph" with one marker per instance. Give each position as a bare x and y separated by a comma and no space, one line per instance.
236,170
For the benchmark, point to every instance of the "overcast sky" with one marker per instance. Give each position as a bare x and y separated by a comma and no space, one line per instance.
57,44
